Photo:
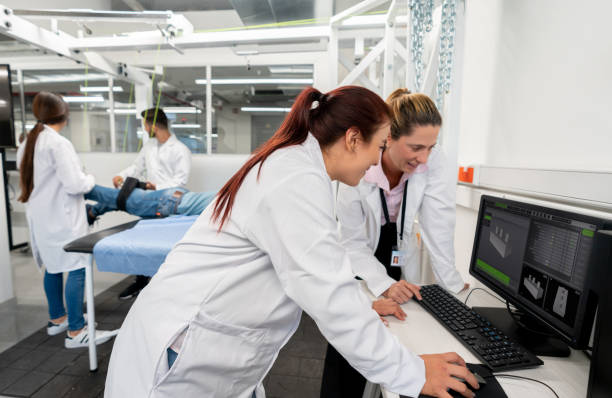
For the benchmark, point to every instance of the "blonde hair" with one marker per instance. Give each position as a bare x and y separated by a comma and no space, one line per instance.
410,110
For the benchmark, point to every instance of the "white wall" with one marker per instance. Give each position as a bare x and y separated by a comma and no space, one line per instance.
6,275
536,93
536,84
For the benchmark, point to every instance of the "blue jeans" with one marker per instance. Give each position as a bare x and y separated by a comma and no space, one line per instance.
146,204
75,287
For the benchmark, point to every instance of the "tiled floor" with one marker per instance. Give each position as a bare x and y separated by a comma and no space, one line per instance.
33,364
39,366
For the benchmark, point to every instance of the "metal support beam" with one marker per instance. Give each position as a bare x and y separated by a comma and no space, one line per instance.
410,72
364,80
332,49
208,109
359,8
389,69
111,116
365,62
452,109
22,102
153,39
431,73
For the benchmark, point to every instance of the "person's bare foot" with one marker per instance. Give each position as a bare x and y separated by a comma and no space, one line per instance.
59,320
73,333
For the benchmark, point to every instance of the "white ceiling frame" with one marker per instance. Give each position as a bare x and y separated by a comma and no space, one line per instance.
357,9
151,40
60,43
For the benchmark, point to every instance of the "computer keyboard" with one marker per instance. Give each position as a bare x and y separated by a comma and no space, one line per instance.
488,343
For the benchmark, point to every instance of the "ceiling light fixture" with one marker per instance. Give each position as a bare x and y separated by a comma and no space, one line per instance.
256,81
264,109
102,89
83,98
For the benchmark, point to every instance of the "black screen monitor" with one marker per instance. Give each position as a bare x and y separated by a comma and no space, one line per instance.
7,126
540,260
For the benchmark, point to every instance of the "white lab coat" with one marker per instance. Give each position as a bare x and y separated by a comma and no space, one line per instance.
166,165
240,293
431,195
56,208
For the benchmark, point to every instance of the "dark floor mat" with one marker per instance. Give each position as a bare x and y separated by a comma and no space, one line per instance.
39,366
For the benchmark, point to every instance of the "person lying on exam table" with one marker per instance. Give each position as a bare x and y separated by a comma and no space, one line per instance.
266,250
146,203
376,220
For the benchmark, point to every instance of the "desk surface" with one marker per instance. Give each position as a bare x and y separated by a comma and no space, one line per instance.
423,334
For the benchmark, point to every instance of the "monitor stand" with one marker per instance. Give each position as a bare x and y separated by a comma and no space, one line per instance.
539,344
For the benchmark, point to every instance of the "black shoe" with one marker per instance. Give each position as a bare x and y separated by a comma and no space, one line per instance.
135,288
91,217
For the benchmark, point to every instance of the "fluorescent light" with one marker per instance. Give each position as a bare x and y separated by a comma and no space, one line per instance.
184,109
290,69
186,126
256,81
83,98
123,111
63,78
254,109
103,89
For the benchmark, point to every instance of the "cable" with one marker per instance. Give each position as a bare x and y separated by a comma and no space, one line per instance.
527,378
478,288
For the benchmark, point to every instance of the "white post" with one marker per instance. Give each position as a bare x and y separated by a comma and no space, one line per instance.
22,101
388,68
452,109
111,116
208,109
91,316
332,49
6,273
409,62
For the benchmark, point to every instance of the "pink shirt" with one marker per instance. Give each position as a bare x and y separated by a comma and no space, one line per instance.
376,175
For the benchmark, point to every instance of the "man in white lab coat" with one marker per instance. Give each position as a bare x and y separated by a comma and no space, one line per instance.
163,162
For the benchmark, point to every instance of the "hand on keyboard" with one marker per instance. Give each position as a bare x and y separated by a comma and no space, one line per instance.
402,291
388,307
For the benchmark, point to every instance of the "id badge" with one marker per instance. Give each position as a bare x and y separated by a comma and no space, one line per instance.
398,257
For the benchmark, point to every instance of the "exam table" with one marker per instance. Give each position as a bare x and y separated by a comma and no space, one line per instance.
137,248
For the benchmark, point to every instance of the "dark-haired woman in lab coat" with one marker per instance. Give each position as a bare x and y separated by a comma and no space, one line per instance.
231,292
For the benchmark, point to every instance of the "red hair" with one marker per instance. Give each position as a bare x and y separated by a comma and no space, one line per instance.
336,112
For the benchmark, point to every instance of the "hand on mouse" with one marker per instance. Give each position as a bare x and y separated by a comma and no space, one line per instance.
439,372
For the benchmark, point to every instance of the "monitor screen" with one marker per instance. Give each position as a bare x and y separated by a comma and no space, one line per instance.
7,128
538,259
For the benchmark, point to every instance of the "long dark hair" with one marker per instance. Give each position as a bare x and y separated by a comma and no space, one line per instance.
48,108
335,113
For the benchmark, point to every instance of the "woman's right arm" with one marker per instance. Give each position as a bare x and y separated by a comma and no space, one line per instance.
69,169
354,237
295,226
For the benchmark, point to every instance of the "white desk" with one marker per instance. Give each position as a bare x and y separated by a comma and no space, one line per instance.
423,334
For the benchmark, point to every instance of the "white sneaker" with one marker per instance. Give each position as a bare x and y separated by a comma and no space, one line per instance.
57,328
82,339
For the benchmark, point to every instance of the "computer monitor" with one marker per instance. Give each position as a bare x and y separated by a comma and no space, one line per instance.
7,127
540,260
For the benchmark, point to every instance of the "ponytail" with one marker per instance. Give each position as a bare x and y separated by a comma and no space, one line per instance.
26,168
326,116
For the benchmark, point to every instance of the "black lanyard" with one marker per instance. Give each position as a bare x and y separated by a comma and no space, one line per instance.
386,210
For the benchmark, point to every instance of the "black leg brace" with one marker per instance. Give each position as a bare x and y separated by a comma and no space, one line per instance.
126,190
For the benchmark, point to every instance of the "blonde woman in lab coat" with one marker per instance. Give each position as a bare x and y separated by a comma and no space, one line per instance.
52,187
376,220
231,292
